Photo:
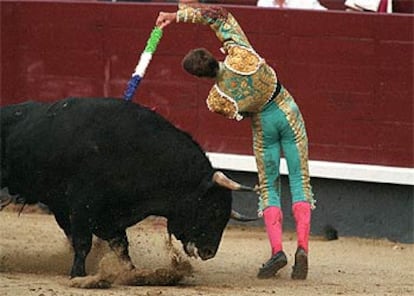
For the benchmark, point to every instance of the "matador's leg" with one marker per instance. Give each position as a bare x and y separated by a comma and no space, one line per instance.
267,152
295,148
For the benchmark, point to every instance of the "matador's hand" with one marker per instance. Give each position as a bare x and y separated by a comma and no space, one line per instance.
165,18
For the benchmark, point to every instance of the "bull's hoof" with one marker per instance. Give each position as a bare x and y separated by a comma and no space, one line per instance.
300,269
272,266
90,282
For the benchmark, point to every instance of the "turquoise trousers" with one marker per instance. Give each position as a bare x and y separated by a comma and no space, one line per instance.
279,128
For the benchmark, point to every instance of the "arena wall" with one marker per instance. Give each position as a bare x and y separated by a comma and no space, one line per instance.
351,73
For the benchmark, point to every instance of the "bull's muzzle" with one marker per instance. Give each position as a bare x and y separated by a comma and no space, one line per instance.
206,253
203,253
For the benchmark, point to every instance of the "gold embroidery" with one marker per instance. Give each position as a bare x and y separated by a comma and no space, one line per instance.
189,14
214,13
219,103
264,85
297,124
200,14
242,60
260,163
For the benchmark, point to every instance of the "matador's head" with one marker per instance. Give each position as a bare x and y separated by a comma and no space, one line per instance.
201,63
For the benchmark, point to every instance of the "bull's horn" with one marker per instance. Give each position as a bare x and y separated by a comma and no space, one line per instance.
4,202
226,182
239,217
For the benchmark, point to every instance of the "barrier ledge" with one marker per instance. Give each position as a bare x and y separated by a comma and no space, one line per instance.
321,169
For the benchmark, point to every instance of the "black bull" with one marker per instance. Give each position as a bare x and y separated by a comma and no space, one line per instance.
102,165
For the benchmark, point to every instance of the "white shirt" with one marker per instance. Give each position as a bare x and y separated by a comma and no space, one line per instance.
371,5
298,4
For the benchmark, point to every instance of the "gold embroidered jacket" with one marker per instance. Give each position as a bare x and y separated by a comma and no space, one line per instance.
245,82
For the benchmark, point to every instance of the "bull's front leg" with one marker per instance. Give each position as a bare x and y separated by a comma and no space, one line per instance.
82,243
119,244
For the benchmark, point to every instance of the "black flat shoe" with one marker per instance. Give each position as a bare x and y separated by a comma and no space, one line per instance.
272,266
300,269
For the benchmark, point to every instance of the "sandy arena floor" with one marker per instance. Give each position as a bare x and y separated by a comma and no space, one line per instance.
35,259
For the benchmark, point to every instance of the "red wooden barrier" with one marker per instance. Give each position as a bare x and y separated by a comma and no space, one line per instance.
351,73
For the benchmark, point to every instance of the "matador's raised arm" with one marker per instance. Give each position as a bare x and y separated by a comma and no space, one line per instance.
223,23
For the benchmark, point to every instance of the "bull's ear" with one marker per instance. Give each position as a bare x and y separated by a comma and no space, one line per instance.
221,179
205,185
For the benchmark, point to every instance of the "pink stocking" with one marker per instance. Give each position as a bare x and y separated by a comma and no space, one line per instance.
273,218
302,214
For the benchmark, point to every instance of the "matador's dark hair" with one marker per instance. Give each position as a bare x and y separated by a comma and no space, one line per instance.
201,63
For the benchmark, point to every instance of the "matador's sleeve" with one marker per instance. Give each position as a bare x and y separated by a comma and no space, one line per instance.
220,103
226,27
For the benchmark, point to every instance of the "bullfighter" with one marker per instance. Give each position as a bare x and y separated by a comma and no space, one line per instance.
246,86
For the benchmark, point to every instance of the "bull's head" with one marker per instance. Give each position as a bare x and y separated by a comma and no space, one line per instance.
201,227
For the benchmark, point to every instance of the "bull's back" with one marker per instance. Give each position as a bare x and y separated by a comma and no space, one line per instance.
114,127
109,142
